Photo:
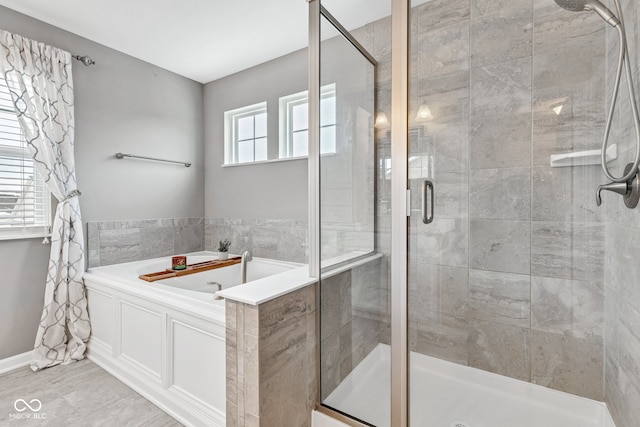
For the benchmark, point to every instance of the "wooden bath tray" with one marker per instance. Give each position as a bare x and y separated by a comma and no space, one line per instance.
191,269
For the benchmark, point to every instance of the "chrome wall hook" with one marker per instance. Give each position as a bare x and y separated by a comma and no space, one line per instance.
629,190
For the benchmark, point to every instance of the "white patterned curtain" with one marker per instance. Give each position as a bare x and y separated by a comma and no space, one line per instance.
41,85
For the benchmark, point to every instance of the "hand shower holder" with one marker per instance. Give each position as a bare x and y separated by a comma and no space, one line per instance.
629,190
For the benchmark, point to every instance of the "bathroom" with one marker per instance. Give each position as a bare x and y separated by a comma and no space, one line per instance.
519,274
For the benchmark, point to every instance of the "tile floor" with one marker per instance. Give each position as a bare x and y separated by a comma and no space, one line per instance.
77,395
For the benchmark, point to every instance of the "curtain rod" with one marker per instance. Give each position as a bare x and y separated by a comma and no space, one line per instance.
85,59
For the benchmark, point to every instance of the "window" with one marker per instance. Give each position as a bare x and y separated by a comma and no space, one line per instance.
246,134
25,201
294,123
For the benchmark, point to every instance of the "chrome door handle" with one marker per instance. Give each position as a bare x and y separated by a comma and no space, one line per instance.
427,207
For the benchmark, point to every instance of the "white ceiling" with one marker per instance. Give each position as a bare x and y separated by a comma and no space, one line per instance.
203,40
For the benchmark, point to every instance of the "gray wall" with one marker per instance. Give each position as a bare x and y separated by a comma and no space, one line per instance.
121,104
268,190
622,274
24,263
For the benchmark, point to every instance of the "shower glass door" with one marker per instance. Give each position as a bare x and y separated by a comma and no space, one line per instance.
354,225
438,231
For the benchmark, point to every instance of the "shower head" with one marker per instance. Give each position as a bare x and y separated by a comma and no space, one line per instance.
595,5
572,5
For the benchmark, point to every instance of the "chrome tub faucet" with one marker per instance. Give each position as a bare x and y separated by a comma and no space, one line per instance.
246,257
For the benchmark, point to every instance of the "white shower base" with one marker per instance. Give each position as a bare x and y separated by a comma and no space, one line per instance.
443,393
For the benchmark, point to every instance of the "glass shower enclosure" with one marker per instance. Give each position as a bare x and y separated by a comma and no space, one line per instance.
499,259
353,285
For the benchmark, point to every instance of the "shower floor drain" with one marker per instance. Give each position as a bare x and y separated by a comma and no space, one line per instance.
460,424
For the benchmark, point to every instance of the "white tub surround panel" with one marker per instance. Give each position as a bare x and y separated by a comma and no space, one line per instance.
150,344
167,339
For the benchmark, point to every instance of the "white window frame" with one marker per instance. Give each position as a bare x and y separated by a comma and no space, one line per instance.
286,121
12,224
231,141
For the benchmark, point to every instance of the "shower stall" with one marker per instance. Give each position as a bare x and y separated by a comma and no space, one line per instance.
458,240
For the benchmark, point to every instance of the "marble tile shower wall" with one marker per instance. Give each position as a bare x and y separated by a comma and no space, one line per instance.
622,271
113,242
509,277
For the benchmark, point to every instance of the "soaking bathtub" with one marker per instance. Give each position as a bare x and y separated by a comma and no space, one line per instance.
166,339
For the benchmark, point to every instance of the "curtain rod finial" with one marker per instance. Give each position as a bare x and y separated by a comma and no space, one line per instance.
85,60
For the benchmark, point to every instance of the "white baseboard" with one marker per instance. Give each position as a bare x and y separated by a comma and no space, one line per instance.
15,362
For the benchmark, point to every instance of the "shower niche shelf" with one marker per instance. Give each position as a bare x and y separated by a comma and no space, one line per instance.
582,158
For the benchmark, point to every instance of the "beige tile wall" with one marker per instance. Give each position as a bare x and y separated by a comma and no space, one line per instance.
271,361
280,239
352,313
113,242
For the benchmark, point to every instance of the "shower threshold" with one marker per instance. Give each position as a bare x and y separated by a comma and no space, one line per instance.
445,394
